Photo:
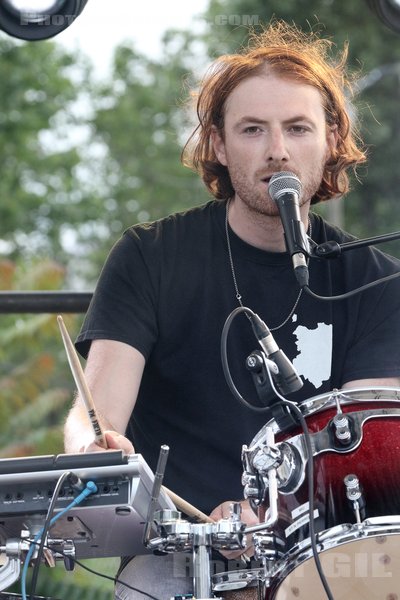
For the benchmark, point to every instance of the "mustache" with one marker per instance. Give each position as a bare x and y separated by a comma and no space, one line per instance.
266,174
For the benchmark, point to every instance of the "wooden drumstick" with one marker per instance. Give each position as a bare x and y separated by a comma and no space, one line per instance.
81,384
187,508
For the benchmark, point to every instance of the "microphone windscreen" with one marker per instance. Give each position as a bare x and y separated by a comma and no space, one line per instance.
284,182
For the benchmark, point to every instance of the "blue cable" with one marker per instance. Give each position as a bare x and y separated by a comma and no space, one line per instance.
91,488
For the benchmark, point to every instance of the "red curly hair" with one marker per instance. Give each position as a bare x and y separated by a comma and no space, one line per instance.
289,53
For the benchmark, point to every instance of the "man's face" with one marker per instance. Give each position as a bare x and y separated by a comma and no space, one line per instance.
273,124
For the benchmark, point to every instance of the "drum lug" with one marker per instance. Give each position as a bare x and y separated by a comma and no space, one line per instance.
252,488
268,547
342,429
354,494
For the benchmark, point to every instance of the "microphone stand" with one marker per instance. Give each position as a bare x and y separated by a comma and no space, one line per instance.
332,249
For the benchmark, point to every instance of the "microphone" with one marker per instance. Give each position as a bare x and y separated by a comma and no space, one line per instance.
287,379
284,188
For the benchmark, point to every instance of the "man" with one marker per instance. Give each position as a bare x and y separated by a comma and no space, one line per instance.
155,322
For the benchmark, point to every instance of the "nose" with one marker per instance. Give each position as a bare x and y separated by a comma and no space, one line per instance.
276,150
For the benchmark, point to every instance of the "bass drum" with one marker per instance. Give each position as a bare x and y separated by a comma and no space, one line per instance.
355,437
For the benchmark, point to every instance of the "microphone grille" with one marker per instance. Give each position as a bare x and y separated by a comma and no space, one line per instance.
282,183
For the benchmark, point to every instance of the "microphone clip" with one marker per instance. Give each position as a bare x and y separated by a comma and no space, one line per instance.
257,363
286,378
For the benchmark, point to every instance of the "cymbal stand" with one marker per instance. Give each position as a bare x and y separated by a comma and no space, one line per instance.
155,492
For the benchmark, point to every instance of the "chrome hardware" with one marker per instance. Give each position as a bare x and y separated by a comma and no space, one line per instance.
251,489
283,459
235,511
179,535
268,547
354,494
290,473
341,425
155,492
271,483
267,458
16,549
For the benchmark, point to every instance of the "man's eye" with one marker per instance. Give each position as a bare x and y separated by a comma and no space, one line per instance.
298,129
252,129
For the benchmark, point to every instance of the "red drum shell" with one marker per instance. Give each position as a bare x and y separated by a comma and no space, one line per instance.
376,463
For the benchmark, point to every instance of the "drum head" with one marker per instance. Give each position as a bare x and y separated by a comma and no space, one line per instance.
366,569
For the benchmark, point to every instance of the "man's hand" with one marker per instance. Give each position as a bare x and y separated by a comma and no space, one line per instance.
115,441
223,512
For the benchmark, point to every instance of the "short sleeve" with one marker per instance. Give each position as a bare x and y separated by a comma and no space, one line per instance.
124,303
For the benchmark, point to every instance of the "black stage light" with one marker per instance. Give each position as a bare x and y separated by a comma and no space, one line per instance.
388,12
38,19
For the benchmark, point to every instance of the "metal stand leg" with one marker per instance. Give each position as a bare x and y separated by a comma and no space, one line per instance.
9,572
201,572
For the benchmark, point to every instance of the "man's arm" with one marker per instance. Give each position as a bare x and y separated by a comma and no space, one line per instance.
113,373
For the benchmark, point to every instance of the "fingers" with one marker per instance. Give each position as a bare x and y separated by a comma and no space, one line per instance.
223,511
115,441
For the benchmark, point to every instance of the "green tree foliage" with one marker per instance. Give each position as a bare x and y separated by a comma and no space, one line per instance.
78,584
40,189
81,161
35,382
140,120
374,60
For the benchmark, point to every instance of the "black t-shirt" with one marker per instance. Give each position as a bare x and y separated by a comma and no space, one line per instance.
167,289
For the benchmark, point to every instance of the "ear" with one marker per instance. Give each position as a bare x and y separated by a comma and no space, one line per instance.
218,145
332,137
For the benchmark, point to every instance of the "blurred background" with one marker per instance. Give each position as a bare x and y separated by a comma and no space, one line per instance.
92,123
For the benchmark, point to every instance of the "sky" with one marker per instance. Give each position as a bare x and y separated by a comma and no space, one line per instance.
99,28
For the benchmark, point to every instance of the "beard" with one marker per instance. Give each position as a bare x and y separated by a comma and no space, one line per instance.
254,193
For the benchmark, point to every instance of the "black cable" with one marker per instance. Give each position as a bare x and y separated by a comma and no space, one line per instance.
46,527
310,491
351,293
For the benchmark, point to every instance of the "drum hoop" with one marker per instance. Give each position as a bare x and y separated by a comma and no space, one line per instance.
247,576
344,534
328,400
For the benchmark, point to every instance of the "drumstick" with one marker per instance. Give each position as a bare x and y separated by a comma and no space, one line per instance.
187,508
81,384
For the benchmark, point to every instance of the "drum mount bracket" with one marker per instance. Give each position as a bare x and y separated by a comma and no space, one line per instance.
16,549
258,462
179,535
